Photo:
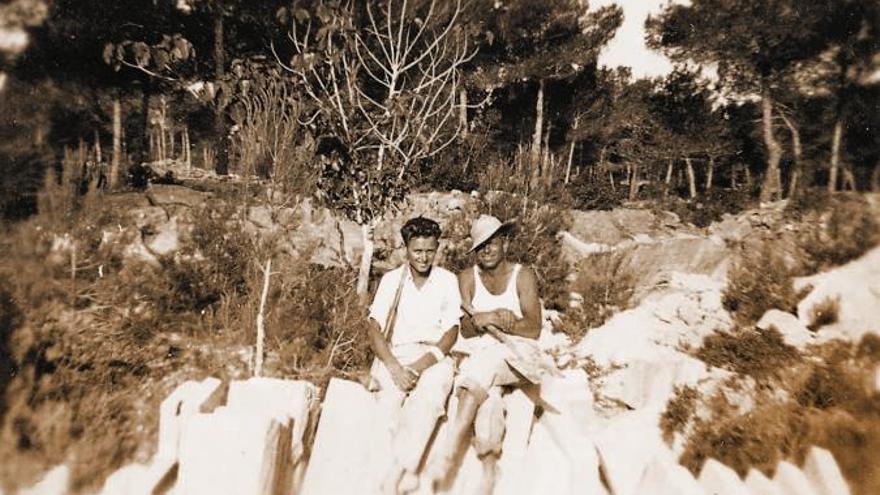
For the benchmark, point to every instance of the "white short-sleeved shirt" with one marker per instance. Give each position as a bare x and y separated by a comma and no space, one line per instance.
423,314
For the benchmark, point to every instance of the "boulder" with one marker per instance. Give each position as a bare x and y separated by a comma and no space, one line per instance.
341,457
627,445
824,474
188,399
147,217
793,331
165,195
664,476
718,479
233,451
166,239
645,383
758,484
55,482
857,285
792,480
142,479
519,413
284,400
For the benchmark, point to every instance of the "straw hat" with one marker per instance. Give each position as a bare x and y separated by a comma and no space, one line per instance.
486,227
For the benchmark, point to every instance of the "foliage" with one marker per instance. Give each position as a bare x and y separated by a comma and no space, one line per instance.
679,411
823,401
605,282
269,141
838,230
748,351
824,312
757,281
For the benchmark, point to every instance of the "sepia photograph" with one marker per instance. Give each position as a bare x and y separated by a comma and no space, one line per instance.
452,247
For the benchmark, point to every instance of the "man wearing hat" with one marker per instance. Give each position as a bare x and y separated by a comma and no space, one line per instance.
500,294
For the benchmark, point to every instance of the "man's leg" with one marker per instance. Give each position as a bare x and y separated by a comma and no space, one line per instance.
418,418
478,374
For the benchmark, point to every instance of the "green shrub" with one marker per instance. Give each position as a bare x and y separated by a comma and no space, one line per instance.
607,283
679,411
824,313
318,327
823,402
837,228
758,281
760,354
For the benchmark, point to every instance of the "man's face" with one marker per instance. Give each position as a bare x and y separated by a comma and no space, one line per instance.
491,253
420,253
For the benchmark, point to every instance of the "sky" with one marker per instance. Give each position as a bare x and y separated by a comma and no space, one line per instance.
628,45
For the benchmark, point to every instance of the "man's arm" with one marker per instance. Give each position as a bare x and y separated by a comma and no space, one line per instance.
527,289
466,286
445,345
379,310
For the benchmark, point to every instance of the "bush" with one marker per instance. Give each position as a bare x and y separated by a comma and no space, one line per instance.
317,326
703,211
593,191
838,228
824,312
756,353
606,283
679,411
758,281
823,402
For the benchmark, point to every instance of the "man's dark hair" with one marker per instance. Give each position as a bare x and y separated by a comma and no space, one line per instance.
420,227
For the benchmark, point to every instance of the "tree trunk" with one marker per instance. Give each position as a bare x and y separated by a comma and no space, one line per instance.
710,173
261,330
116,160
98,157
875,178
668,181
363,280
797,151
462,111
539,126
835,155
221,160
692,181
634,183
571,151
770,189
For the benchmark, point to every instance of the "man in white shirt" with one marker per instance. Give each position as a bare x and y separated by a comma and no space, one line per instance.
413,325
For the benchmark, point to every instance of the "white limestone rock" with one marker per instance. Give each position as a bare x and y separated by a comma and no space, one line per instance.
792,480
340,461
55,482
189,398
794,333
231,452
824,473
627,445
141,479
758,484
718,479
857,284
664,476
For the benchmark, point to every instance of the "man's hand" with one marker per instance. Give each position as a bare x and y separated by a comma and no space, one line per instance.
403,378
501,318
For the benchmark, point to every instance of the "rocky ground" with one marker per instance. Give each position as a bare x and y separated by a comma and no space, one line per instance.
653,384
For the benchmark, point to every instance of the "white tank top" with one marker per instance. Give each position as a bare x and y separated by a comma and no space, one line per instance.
486,301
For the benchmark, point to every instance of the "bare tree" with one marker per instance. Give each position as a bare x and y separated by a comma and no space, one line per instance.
385,78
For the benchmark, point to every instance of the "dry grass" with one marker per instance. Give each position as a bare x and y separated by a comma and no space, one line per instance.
828,401
759,280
